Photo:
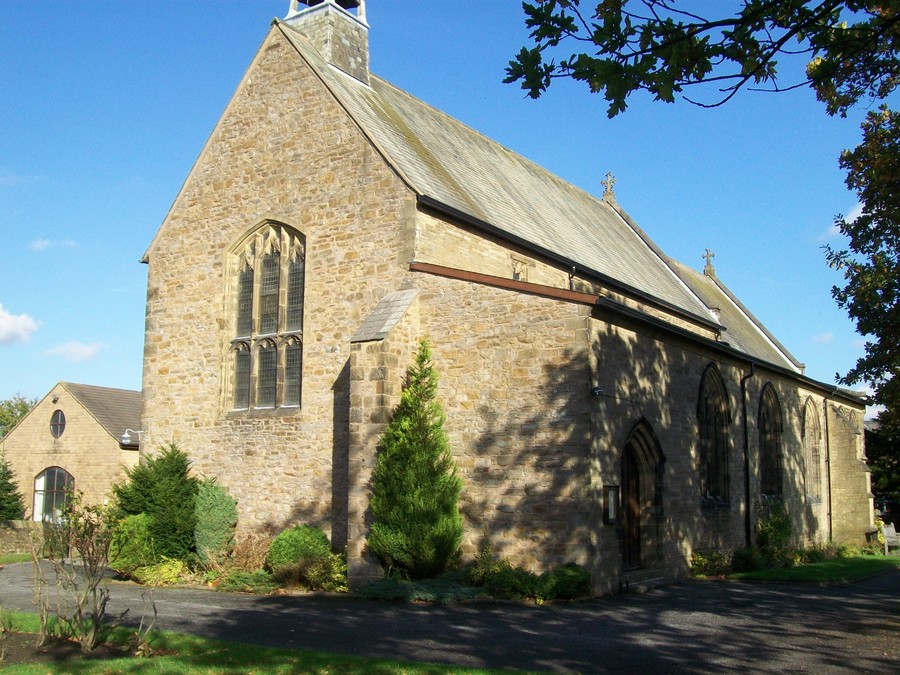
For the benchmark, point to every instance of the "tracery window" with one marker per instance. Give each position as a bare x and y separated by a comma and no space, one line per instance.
812,440
52,488
713,418
266,350
770,454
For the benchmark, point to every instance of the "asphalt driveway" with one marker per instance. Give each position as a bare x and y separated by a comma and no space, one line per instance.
695,626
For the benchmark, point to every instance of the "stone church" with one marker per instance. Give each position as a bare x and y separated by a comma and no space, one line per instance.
605,403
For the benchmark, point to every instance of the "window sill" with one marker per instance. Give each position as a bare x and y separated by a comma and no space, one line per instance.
262,413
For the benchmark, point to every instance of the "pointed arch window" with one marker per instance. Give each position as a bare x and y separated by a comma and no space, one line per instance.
812,453
266,347
713,418
770,454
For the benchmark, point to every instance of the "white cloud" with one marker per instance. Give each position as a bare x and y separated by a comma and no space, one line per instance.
15,327
75,351
823,338
43,244
834,231
855,213
831,233
8,179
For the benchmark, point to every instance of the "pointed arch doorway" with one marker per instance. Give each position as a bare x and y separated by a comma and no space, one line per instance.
642,498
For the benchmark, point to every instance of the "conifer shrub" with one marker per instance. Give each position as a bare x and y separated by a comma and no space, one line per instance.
216,519
416,525
132,545
12,506
161,487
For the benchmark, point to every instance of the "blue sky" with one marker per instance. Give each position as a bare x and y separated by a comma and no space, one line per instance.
104,106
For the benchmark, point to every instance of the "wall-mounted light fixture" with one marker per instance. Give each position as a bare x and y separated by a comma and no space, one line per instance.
596,391
126,437
611,504
55,398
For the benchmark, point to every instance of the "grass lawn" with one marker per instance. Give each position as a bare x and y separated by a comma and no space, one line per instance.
839,570
177,653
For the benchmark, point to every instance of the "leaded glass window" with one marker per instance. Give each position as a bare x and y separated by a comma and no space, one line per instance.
266,343
770,457
812,440
713,418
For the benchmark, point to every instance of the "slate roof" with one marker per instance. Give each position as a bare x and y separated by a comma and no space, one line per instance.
389,310
743,331
444,161
448,162
115,409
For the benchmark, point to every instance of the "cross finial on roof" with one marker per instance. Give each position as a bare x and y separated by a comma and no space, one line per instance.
608,183
708,269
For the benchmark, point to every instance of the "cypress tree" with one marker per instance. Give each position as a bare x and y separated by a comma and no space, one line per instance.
416,527
11,505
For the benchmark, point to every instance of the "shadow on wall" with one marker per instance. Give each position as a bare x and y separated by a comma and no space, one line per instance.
539,448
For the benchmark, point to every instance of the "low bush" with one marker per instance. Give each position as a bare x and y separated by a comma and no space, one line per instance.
328,573
569,582
302,557
132,545
250,551
241,581
711,564
296,544
167,572
515,583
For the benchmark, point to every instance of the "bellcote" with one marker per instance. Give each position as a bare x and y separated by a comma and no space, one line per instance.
340,36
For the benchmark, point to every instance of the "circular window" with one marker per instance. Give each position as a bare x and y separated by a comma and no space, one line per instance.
58,423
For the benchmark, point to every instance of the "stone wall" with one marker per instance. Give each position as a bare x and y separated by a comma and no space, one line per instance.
16,536
283,151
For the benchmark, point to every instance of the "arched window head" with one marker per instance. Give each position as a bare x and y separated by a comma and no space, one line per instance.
713,418
267,277
812,450
52,489
770,427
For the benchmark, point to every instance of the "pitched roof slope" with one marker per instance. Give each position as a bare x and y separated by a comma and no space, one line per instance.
443,159
115,409
743,331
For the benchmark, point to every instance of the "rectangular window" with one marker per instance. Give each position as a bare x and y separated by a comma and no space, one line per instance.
242,379
245,303
295,295
266,378
268,294
292,373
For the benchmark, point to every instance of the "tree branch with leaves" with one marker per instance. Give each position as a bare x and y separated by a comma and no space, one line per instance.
851,53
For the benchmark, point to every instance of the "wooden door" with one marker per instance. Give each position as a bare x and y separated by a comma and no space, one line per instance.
631,509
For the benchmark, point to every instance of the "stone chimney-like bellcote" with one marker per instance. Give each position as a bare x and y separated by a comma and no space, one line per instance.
340,36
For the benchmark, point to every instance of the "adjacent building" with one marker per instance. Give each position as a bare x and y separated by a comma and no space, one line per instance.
77,438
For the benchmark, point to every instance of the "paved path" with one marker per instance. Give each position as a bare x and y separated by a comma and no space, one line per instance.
689,627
